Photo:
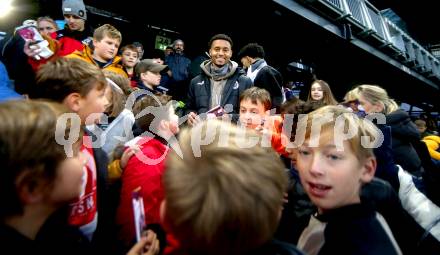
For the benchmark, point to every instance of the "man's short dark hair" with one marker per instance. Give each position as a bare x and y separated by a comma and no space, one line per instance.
220,37
158,53
138,44
253,50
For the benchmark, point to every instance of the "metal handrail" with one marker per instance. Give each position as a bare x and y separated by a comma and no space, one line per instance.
368,18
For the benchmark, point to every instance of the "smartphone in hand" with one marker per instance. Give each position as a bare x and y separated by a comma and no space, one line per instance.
217,111
30,34
138,213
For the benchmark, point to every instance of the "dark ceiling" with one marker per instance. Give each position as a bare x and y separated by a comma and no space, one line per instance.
421,17
285,36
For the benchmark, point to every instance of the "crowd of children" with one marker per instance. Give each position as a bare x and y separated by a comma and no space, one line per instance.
231,176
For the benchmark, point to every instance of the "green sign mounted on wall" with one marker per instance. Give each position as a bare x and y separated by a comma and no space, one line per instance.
162,42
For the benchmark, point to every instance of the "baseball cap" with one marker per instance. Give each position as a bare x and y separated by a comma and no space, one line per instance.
149,65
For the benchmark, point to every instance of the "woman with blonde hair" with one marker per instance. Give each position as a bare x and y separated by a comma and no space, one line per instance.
46,25
405,135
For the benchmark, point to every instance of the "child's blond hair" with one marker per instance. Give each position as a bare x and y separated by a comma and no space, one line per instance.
107,30
377,95
364,127
227,201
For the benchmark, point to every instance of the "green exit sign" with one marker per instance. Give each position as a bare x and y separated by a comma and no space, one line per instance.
162,42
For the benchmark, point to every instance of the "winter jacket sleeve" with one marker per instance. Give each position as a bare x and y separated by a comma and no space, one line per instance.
268,80
190,102
114,170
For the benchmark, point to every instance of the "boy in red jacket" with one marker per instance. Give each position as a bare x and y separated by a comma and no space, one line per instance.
155,116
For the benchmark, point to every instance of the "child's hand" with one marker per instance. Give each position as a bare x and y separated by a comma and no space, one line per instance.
262,127
148,245
127,155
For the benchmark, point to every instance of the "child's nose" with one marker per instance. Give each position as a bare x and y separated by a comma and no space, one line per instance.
316,166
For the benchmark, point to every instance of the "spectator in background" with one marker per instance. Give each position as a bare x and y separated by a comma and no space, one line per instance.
148,73
76,34
320,92
179,71
431,123
374,99
421,126
263,75
168,50
46,25
130,57
159,56
140,50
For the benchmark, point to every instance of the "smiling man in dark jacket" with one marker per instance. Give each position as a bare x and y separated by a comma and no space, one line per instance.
220,83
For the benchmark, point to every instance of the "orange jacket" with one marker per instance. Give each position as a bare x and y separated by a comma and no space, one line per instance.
274,128
112,66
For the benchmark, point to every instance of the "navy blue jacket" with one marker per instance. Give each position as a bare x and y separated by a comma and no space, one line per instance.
179,66
199,93
354,229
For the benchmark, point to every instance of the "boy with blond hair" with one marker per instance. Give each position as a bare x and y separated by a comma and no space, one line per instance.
333,164
214,202
106,41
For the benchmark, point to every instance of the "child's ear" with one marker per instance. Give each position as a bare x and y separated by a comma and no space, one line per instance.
94,43
29,191
368,169
164,125
72,101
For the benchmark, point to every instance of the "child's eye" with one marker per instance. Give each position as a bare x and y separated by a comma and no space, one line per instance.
303,152
333,157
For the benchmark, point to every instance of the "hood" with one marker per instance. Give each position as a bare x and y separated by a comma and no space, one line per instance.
206,67
402,126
